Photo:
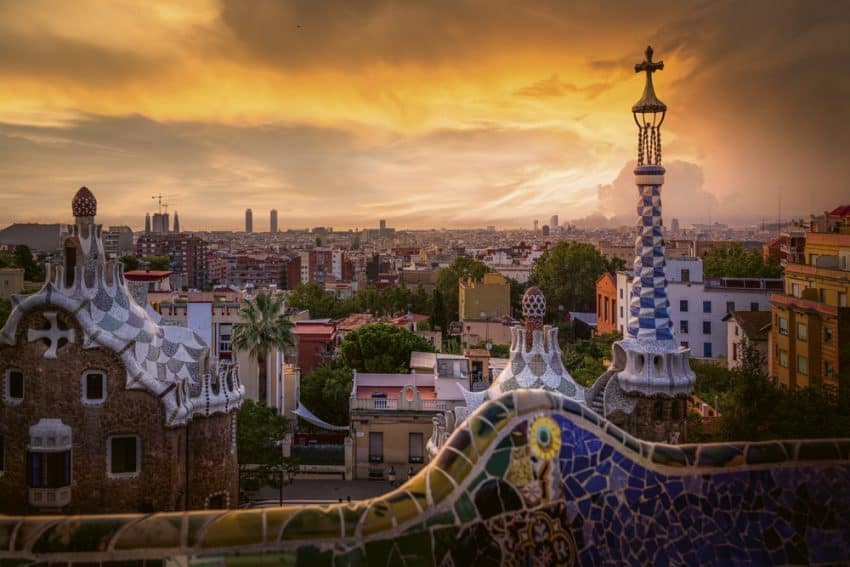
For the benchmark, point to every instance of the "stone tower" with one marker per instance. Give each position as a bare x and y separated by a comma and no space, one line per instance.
646,389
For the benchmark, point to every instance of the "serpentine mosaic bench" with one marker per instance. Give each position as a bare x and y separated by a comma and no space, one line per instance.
529,478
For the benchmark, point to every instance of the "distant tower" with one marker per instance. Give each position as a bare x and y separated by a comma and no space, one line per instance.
648,391
249,221
536,224
553,222
147,223
176,223
273,221
383,225
674,226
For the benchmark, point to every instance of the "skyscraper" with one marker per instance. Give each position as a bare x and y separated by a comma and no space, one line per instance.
176,223
160,223
273,221
536,223
383,225
553,222
249,221
674,226
147,223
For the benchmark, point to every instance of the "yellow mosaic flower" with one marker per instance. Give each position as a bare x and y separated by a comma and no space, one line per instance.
545,438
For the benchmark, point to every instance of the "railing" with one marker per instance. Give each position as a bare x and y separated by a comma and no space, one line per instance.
379,404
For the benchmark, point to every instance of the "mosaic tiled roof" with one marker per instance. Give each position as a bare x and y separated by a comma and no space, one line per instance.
84,204
171,362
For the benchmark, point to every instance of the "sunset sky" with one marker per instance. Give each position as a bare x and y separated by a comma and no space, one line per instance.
430,114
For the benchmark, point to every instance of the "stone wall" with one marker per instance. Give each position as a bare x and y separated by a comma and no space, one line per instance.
53,389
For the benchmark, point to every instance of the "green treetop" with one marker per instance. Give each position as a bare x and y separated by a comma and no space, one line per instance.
380,347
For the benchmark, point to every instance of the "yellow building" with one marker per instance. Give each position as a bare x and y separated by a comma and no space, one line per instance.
11,282
487,299
810,334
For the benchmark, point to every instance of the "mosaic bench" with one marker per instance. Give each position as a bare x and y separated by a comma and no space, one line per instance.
530,478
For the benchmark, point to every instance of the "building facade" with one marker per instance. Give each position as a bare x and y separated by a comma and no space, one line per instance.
11,282
118,241
187,256
104,409
698,305
810,331
606,304
487,299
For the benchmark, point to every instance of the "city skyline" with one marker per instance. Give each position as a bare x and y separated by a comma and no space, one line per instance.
340,117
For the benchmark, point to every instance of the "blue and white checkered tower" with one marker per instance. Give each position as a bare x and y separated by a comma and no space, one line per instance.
649,316
650,362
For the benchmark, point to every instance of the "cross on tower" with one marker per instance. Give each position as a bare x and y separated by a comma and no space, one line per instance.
649,65
54,334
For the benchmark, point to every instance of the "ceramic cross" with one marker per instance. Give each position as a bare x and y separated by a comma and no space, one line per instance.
54,334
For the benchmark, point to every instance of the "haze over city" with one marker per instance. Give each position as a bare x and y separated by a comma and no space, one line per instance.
467,114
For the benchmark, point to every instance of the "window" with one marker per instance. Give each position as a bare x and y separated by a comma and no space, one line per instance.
802,331
49,470
94,387
686,275
621,311
706,350
683,326
737,330
828,372
14,386
827,334
796,290
783,358
730,306
842,299
706,307
782,323
376,447
123,456
685,344
754,306
706,327
417,448
735,351
683,305
621,293
802,365
224,330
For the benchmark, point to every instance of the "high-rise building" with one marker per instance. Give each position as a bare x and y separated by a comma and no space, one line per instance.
176,223
674,226
160,223
147,223
249,221
117,241
187,256
273,221
553,222
382,225
536,225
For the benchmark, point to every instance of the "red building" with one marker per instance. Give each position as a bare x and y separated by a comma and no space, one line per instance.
187,255
315,343
606,304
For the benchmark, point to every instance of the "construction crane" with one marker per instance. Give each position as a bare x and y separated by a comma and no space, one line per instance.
159,197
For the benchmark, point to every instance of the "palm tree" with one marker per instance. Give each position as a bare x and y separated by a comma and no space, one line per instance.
263,327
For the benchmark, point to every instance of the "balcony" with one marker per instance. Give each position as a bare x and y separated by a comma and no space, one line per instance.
394,404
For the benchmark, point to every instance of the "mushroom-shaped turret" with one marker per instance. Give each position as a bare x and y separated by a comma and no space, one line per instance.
533,310
84,204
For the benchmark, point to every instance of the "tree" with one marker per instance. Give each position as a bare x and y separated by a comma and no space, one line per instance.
438,312
517,291
585,359
462,268
23,258
615,264
735,262
5,310
160,263
380,347
316,300
259,432
567,276
263,326
130,263
326,391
